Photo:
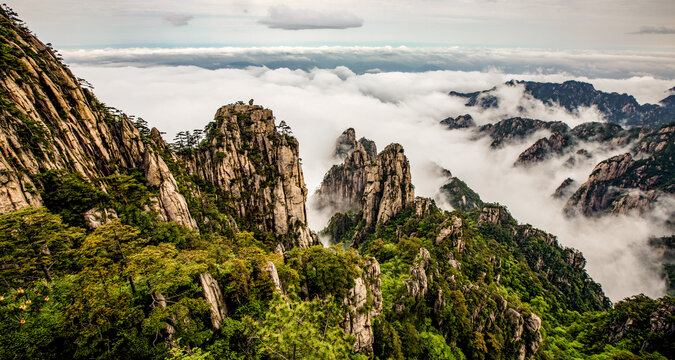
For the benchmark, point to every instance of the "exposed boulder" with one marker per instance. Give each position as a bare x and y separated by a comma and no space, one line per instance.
96,217
363,303
271,269
497,215
214,297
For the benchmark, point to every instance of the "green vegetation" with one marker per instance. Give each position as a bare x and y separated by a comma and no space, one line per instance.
460,195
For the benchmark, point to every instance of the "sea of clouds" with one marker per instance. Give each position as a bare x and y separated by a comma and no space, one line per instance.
406,107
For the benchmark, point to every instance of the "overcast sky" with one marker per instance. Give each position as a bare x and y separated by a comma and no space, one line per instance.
558,24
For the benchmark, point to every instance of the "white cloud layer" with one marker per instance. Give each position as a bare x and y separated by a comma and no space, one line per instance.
406,108
286,18
360,59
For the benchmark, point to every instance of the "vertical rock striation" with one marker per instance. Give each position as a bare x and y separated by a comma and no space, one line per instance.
389,186
49,122
343,185
257,169
214,297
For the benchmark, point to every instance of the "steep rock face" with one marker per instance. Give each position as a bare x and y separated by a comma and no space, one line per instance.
451,229
630,182
49,122
495,215
389,186
257,169
214,297
171,206
361,311
374,188
96,217
343,185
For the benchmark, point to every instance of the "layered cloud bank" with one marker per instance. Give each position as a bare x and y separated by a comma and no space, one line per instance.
406,108
591,64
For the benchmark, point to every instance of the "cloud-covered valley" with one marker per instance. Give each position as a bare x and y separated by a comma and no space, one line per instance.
406,108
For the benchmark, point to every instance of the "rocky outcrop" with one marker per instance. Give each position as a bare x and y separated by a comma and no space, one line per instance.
417,284
159,301
171,205
346,144
49,122
518,128
214,297
495,215
363,303
271,270
423,206
564,190
377,187
343,185
257,169
389,186
451,229
544,148
460,122
526,335
632,181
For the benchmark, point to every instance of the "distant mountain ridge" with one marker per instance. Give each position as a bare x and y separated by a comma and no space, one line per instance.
617,108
